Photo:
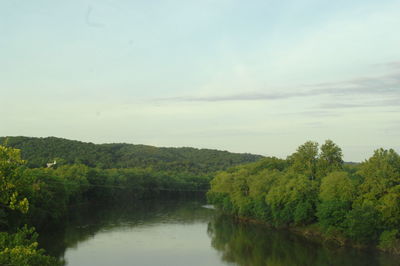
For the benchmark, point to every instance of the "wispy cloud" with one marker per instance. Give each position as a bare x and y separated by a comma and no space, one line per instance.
377,103
313,113
255,96
392,64
388,84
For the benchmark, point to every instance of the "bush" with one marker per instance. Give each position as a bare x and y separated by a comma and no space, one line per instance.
303,213
332,213
21,249
363,224
389,241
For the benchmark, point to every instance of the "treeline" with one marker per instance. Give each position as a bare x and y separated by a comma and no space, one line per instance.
40,151
314,189
40,197
50,191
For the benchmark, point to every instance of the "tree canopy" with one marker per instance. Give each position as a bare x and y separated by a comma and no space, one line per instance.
40,151
360,203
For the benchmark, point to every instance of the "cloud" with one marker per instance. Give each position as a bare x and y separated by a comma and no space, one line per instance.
313,113
388,84
379,103
239,97
390,65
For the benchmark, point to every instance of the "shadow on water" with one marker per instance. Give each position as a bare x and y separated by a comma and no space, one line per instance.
232,242
86,220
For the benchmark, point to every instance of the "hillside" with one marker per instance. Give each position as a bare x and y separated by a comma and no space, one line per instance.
39,151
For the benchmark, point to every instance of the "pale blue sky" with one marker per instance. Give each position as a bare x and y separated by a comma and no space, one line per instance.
244,76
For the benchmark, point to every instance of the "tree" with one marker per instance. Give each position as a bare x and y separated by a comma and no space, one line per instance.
20,248
10,160
337,186
380,172
363,224
330,158
304,160
292,199
337,192
381,186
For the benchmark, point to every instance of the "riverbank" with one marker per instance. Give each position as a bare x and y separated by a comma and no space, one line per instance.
333,239
184,232
315,194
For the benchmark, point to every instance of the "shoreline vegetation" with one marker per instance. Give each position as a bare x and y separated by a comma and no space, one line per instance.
40,178
312,192
314,233
315,194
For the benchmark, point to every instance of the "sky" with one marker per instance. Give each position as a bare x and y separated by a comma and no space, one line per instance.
255,76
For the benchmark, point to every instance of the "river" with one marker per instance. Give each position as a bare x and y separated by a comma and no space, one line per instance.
182,233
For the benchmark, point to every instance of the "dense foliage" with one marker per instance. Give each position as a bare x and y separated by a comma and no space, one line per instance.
51,190
314,186
19,248
39,151
40,197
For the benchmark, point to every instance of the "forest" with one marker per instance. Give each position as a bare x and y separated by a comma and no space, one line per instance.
34,195
314,191
39,151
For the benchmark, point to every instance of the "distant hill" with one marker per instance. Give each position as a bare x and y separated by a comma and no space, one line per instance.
39,151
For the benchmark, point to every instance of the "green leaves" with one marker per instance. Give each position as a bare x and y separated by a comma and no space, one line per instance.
389,241
363,224
308,160
337,186
360,201
389,206
10,160
330,158
304,160
22,249
332,214
40,151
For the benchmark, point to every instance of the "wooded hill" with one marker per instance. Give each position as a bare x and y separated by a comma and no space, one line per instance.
39,151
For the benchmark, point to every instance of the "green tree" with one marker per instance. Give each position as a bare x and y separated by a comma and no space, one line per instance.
330,158
337,192
390,241
10,199
21,248
337,186
363,224
75,178
381,186
292,199
304,160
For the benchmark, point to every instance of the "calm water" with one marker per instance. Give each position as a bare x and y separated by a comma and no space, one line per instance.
185,233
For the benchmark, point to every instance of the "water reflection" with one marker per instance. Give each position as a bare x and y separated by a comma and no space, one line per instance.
85,221
256,245
185,232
